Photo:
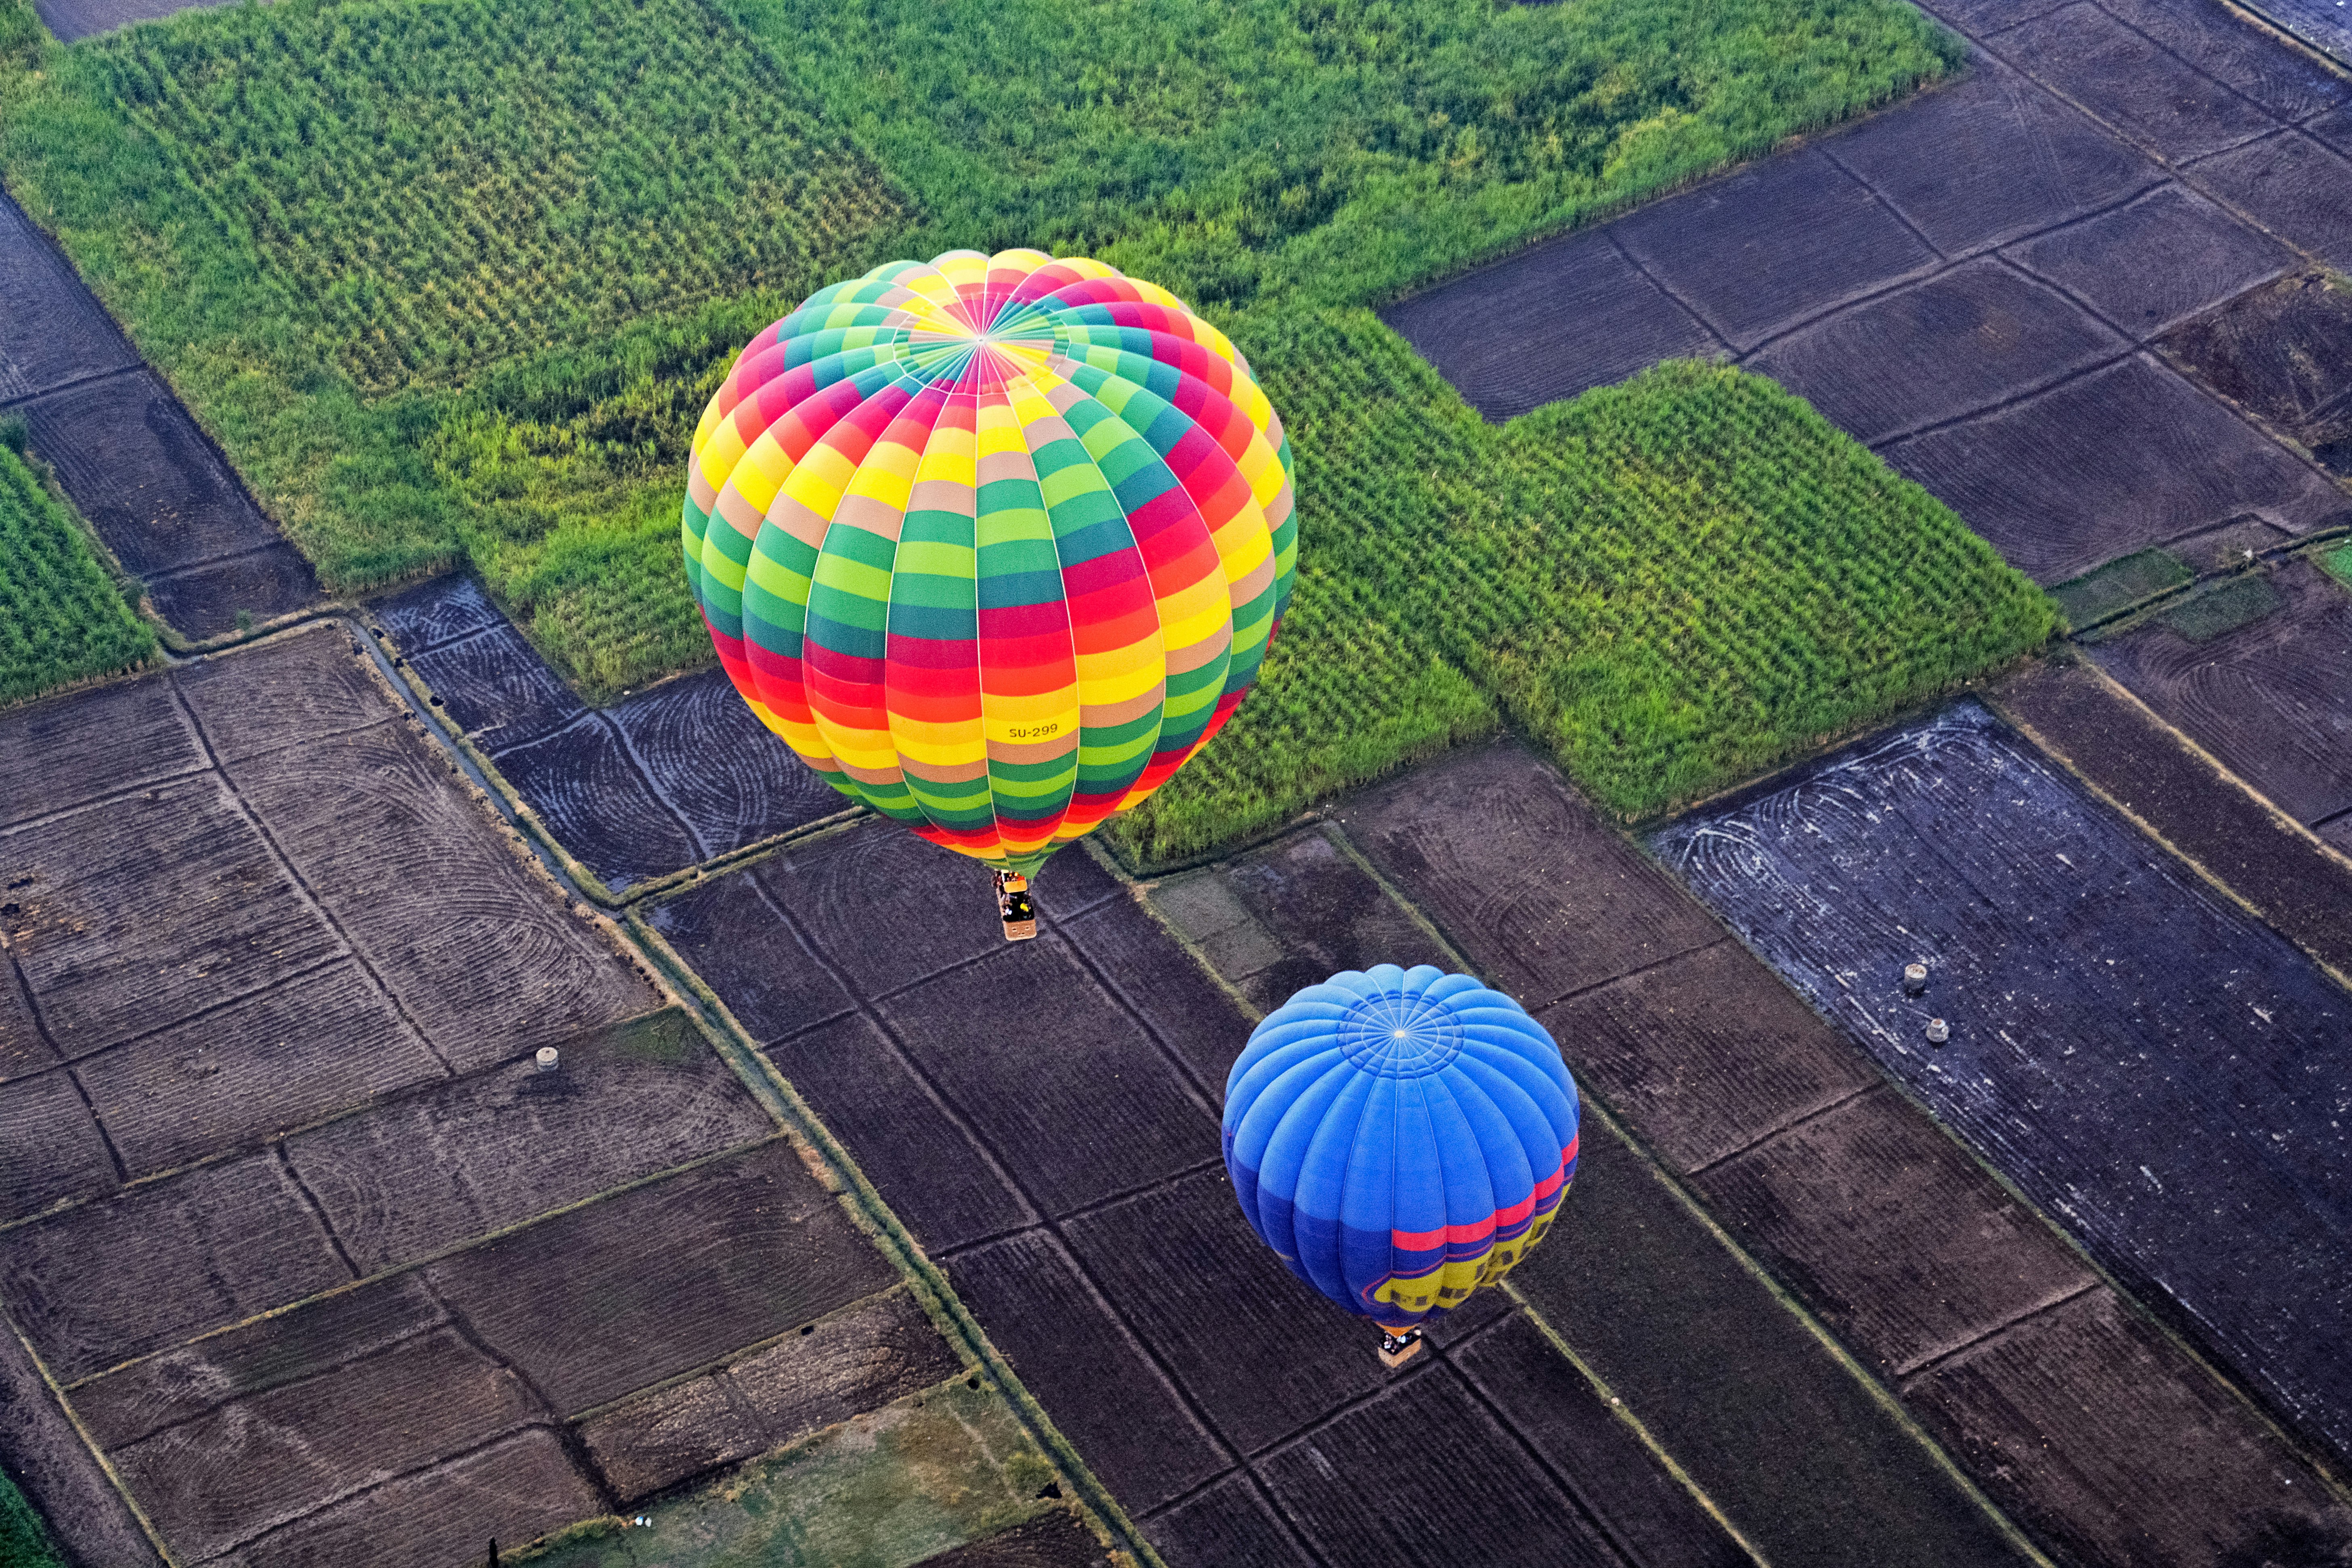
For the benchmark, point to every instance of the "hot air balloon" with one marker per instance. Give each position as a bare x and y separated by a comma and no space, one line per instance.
995,543
1400,1138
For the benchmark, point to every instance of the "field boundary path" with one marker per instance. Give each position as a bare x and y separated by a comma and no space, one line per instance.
159,493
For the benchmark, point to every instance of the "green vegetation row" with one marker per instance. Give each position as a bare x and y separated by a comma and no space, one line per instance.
1672,585
327,223
61,616
439,186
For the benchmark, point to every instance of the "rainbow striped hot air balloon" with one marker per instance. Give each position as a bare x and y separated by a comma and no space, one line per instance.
1400,1138
995,543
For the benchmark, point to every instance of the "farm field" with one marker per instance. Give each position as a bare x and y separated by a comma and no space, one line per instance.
505,373
439,1291
1544,569
2057,922
67,620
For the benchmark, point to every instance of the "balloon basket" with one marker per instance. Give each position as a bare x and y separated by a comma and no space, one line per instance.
1013,907
1398,1348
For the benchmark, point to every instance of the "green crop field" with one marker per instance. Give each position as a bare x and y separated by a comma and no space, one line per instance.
438,186
451,279
1333,149
1673,585
61,618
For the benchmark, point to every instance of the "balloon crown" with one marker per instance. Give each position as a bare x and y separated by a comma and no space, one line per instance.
1397,1035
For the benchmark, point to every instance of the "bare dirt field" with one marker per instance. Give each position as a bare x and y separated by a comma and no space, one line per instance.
1042,1118
326,1263
2267,697
2146,767
54,333
2138,1056
663,779
126,452
71,19
2284,354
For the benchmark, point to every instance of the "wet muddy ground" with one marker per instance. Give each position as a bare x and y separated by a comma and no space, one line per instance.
2148,1063
2145,766
71,19
130,456
2321,23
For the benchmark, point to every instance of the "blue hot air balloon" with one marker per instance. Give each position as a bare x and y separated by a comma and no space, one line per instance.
1400,1138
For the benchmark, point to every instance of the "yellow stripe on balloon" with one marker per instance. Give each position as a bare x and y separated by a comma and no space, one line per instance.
888,474
818,479
761,472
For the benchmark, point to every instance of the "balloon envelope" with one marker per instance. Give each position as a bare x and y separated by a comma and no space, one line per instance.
996,543
1400,1137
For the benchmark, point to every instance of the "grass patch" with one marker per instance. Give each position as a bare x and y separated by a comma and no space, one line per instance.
2118,585
2238,601
1671,584
2338,562
24,1539
62,618
440,183
663,1038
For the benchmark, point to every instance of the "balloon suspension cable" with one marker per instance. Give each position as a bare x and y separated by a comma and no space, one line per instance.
1013,906
1398,1347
